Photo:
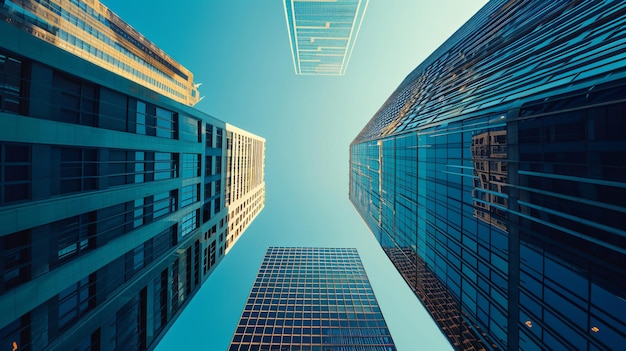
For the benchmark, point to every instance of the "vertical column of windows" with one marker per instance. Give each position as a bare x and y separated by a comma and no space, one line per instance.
160,301
175,285
196,263
209,135
218,137
188,270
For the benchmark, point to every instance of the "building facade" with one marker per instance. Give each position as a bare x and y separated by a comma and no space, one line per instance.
112,200
245,180
309,299
88,29
322,34
494,178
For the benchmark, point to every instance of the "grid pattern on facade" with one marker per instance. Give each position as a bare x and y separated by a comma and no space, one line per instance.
508,50
322,34
311,299
500,174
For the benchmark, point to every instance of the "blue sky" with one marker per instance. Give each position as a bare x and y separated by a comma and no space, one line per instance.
239,51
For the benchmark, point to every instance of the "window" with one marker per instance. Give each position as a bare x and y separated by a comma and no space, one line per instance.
163,204
76,300
190,129
79,170
208,170
138,212
218,164
74,236
190,194
217,205
209,135
10,84
15,173
218,138
155,121
130,323
165,166
15,256
77,100
17,333
189,223
191,165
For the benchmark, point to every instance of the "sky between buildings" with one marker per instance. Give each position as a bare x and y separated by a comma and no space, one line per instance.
239,50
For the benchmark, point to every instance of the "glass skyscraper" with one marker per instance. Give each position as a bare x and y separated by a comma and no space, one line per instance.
494,178
312,299
116,201
322,34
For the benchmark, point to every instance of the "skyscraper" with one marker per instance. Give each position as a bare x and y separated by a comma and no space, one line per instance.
113,197
90,30
322,34
311,299
494,179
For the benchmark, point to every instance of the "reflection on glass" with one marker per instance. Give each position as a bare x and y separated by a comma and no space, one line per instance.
436,299
489,155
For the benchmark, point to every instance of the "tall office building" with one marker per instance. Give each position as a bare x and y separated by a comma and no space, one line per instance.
322,34
309,299
88,29
113,197
245,180
494,178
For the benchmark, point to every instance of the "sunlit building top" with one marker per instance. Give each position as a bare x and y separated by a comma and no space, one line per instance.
91,31
322,34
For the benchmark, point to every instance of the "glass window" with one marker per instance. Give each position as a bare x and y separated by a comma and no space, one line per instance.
163,204
189,129
15,253
15,173
190,194
75,301
189,223
191,165
10,84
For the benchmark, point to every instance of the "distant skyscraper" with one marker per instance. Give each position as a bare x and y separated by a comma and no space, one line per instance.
312,299
116,202
90,30
322,34
494,178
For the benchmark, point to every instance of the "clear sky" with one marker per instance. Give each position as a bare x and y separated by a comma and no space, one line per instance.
239,50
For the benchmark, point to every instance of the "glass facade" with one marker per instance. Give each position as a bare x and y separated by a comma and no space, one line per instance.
307,299
322,34
493,178
111,195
